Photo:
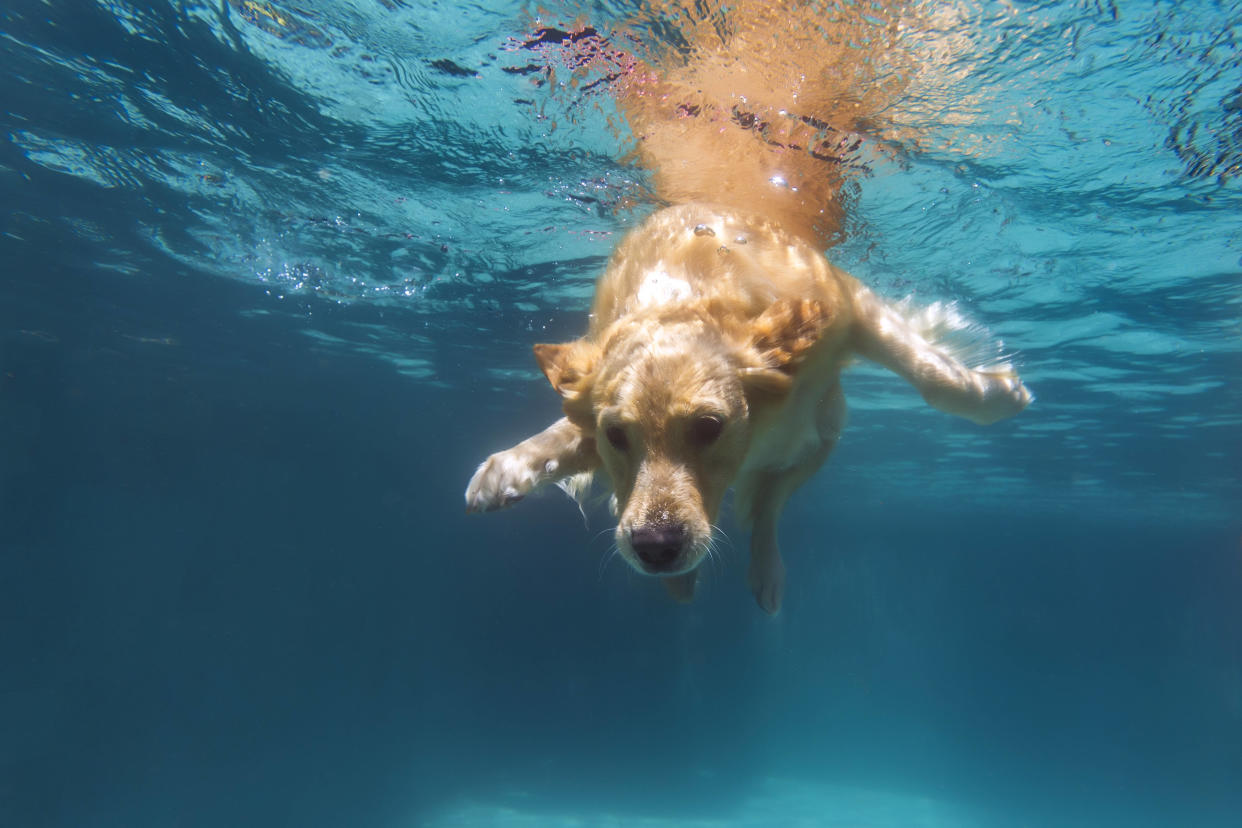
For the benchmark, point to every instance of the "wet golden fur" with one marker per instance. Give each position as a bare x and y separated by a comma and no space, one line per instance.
719,330
763,110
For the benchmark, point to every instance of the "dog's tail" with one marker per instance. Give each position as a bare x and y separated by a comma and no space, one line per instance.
764,106
753,104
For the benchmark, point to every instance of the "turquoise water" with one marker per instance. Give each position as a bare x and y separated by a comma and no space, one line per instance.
269,278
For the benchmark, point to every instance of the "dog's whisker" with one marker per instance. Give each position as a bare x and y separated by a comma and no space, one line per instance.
711,556
607,559
711,560
595,538
718,535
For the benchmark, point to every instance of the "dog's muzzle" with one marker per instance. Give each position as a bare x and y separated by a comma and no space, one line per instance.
660,546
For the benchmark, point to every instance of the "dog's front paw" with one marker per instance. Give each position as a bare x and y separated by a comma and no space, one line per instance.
1003,396
504,478
767,581
999,395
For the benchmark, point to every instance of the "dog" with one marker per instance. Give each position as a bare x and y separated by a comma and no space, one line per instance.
719,329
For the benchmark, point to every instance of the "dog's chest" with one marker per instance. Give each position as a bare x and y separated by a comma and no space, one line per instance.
783,442
786,437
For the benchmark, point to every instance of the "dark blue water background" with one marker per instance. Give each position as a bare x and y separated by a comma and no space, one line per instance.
268,281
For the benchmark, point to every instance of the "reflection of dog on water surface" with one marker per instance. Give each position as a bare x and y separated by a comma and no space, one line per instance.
719,330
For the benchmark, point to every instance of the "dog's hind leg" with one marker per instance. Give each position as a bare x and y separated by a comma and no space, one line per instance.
559,451
982,395
764,497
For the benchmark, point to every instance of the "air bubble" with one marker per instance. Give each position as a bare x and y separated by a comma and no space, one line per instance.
703,230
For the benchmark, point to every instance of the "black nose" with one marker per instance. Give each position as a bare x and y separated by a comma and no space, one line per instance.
659,545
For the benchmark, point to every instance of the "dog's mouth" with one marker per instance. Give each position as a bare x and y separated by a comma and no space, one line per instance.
661,549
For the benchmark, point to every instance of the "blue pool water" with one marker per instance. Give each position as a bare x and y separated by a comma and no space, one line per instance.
269,278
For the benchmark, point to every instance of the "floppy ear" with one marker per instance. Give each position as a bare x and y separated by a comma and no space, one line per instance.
570,368
765,384
783,333
780,338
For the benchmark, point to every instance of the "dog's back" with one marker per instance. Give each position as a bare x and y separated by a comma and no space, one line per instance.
734,264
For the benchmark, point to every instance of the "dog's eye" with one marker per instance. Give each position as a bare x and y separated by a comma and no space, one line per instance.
704,430
616,436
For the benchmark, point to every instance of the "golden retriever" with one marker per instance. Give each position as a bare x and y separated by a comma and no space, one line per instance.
719,330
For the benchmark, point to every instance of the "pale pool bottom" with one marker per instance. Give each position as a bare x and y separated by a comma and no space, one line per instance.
788,803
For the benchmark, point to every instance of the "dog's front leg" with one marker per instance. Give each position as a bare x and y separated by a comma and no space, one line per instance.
761,495
559,451
766,576
980,395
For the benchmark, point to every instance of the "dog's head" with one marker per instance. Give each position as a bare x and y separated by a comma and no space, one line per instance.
670,397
